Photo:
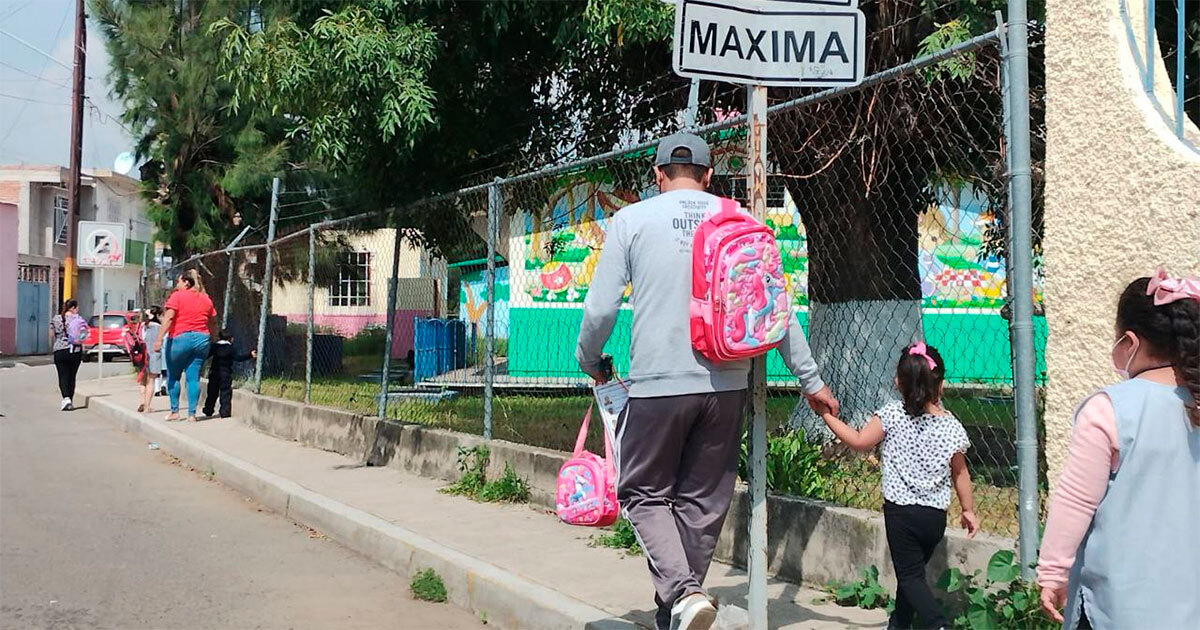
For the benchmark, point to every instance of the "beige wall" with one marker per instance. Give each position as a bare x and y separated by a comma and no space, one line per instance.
292,298
1122,196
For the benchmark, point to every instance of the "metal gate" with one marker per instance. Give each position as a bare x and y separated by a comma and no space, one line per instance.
33,317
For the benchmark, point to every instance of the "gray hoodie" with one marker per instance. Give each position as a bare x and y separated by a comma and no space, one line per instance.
649,244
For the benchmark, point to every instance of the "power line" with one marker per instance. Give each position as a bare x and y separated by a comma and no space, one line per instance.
32,100
35,48
17,118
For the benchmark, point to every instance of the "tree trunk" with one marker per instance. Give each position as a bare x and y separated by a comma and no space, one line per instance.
864,284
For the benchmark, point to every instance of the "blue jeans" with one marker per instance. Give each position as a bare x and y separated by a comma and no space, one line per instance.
185,355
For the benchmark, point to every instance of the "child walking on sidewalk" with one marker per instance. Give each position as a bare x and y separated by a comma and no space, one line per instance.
220,374
1119,550
923,454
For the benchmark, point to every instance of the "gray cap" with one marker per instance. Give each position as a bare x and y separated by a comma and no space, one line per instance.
696,146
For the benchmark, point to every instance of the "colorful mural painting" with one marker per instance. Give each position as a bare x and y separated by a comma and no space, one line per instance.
472,300
561,256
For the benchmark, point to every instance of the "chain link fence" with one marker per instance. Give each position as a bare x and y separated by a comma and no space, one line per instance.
889,204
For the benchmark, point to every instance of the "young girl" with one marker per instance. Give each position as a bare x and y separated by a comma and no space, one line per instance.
923,447
148,378
1119,549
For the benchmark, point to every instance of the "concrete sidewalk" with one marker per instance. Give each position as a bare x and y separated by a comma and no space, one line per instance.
520,567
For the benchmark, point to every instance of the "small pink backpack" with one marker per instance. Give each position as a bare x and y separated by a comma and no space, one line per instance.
587,484
740,305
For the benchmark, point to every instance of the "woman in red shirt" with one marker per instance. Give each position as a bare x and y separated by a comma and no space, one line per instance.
187,325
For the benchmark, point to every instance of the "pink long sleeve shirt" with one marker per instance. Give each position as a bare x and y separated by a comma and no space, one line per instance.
1092,457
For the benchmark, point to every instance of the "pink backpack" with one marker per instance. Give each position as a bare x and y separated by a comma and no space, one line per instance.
740,306
587,484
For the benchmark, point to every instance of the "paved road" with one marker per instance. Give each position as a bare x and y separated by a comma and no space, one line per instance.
96,530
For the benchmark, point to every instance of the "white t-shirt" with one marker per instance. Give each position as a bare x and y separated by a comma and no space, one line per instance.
916,455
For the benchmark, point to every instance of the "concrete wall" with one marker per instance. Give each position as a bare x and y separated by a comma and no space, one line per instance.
810,541
1122,196
8,278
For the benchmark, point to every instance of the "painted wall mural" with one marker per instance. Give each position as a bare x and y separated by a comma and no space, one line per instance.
561,249
472,300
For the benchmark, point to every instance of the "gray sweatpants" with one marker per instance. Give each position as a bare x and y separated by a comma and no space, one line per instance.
676,468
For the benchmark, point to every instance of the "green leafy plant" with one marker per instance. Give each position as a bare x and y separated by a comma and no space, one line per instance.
795,466
1002,600
428,586
472,468
473,482
619,536
509,488
865,592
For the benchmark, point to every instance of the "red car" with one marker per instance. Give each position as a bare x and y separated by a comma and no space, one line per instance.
118,326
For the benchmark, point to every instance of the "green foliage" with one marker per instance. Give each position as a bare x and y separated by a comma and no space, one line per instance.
369,341
959,68
473,482
619,536
1000,600
203,162
509,488
618,21
427,586
865,592
352,82
794,466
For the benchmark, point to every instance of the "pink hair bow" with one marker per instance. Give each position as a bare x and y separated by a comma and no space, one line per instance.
1166,289
919,349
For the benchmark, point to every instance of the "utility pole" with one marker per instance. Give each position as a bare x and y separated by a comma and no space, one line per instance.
78,73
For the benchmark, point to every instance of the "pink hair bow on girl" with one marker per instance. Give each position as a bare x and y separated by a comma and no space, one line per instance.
1166,289
920,350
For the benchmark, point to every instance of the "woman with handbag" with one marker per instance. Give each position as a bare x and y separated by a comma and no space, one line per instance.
69,331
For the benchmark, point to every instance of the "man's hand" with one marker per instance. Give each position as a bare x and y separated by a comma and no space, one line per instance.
158,345
970,522
823,401
1053,601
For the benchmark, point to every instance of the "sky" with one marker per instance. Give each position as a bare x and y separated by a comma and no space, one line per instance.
35,91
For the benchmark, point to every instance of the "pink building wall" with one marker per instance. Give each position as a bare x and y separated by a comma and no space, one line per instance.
351,325
8,278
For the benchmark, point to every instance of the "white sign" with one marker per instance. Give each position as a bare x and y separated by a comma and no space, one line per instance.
101,245
812,43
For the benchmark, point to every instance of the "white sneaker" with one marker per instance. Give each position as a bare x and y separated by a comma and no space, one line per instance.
693,612
66,405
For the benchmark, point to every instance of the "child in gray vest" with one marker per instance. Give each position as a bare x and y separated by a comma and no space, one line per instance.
923,456
1119,549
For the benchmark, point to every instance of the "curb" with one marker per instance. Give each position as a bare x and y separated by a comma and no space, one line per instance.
509,600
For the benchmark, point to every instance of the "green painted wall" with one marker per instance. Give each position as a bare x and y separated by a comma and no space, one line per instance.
975,345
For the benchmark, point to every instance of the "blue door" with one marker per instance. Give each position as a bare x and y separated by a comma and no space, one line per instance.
33,317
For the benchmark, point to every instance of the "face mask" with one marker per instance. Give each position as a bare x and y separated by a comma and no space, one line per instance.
1122,372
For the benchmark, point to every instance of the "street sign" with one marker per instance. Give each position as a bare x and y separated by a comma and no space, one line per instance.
810,43
101,245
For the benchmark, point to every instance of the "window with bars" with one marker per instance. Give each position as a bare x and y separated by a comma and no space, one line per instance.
353,286
60,219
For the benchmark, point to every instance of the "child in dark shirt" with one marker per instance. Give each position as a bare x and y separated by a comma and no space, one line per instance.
220,374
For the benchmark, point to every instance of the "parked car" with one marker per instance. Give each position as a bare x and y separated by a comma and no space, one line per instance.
118,326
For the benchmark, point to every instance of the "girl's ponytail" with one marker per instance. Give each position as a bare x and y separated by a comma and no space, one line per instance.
1185,323
919,375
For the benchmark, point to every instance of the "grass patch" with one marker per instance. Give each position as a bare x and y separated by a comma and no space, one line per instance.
474,484
620,536
427,586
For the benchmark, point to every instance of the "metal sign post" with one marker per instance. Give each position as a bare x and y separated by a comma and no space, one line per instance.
100,246
756,563
761,43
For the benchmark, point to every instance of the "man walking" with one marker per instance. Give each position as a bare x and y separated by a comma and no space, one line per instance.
678,438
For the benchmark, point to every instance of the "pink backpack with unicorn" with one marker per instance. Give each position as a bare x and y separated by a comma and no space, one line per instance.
587,484
740,306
